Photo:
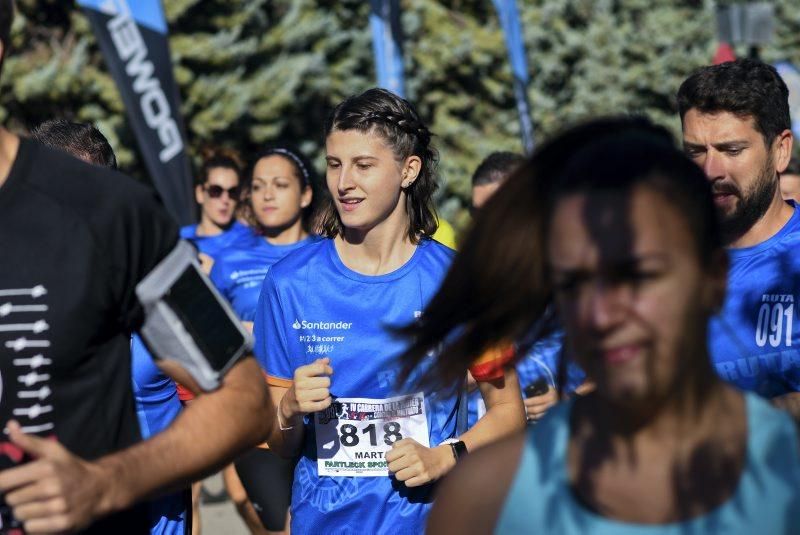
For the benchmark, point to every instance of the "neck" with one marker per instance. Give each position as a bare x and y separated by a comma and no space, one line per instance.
9,145
206,227
285,235
773,220
688,403
379,250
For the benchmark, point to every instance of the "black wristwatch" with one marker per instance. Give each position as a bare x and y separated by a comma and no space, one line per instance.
459,449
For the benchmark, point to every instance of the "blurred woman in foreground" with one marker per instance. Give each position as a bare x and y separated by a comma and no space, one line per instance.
620,230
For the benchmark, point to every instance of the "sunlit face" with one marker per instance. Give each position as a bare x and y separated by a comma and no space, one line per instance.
629,288
366,179
219,210
277,193
741,168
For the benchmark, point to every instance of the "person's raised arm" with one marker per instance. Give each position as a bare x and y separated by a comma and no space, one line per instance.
416,465
309,392
58,491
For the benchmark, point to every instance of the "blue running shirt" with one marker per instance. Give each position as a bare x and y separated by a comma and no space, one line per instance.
239,270
755,340
157,405
766,500
212,245
313,306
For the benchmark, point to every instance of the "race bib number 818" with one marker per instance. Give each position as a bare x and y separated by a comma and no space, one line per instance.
353,434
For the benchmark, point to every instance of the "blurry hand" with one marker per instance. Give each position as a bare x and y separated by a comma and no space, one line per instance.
537,406
57,492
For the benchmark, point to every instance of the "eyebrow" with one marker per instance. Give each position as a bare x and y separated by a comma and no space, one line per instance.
265,178
626,263
721,146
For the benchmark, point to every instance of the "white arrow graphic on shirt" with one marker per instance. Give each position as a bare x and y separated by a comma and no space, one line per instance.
21,343
32,378
33,362
33,411
40,394
37,428
8,308
37,327
36,291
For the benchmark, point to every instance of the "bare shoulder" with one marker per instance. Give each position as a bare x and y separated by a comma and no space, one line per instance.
471,497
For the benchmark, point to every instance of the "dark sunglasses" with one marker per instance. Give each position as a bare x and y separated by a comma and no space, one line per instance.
215,192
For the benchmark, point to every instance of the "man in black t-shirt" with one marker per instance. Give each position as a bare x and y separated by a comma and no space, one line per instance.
75,241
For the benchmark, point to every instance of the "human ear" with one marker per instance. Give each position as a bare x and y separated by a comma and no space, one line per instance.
198,194
306,197
411,169
783,150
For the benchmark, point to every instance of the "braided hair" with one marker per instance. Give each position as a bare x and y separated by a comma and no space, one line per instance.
399,125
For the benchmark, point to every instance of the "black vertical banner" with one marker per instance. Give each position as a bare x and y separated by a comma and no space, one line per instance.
133,38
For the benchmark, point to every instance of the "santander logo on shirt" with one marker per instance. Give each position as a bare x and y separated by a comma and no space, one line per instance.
321,325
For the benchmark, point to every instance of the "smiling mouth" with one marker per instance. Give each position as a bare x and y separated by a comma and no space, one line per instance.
350,204
621,354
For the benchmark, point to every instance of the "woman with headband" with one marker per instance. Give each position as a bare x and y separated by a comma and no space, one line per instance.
277,205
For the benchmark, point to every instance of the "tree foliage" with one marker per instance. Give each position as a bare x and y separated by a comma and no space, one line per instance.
254,71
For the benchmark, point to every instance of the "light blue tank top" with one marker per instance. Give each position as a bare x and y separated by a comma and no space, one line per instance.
766,501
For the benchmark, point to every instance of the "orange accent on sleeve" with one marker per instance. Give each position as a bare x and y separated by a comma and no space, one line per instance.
184,394
278,381
492,364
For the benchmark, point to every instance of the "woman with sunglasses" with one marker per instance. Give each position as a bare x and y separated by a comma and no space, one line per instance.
217,195
618,228
369,447
277,204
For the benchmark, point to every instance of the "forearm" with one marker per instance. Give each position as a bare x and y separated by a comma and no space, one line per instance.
210,433
286,434
505,413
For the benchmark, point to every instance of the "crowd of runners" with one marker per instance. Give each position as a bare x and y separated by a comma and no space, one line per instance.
611,349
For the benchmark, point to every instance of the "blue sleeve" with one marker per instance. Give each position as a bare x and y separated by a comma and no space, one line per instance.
187,232
271,347
219,277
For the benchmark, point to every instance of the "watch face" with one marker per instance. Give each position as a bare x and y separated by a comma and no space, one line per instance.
459,449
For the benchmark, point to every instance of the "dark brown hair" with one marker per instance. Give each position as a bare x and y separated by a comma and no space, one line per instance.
498,289
6,19
216,157
399,125
746,88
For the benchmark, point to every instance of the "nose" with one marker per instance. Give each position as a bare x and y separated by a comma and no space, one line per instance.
713,165
344,182
606,305
268,192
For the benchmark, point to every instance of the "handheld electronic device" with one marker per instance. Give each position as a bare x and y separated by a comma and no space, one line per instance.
188,321
537,388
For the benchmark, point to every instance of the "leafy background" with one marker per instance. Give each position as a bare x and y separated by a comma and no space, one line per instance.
253,71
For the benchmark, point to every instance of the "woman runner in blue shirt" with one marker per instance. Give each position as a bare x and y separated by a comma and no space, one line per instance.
325,333
217,195
621,229
277,204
